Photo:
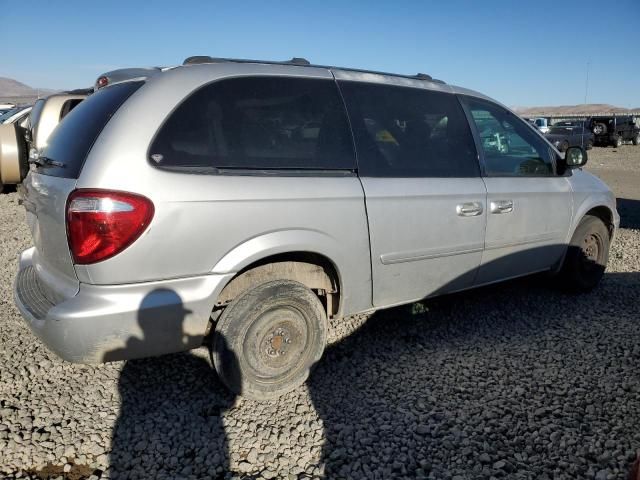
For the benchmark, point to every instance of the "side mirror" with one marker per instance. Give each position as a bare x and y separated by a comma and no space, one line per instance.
575,157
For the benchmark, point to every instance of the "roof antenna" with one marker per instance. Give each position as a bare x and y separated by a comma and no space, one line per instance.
586,85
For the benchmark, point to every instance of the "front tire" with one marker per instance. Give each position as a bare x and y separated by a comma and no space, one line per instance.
587,256
268,339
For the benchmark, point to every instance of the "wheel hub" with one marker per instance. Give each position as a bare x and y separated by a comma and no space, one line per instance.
277,342
591,248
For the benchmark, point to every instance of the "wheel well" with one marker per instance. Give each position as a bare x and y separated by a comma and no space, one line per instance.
311,269
604,214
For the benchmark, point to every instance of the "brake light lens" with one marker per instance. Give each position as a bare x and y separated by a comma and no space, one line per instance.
102,82
102,223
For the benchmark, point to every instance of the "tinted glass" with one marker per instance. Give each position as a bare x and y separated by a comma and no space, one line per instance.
565,130
409,132
73,138
8,113
258,123
68,106
510,146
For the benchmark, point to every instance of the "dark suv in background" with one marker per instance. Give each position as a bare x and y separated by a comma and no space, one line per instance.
614,130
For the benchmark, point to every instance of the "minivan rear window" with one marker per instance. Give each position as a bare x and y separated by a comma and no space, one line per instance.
257,123
72,139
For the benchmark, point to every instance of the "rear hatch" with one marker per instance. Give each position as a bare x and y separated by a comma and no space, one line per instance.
54,177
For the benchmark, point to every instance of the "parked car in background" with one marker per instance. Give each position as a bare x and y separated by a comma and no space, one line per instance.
48,112
223,198
17,115
563,136
5,107
614,130
542,124
21,142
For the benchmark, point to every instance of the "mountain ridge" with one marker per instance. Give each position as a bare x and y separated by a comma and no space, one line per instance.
17,92
588,109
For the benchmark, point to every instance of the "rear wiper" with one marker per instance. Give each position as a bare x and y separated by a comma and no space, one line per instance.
42,161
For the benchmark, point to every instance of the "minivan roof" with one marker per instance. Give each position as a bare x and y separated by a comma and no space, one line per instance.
303,62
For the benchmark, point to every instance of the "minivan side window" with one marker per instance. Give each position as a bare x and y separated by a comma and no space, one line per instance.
257,123
409,132
510,146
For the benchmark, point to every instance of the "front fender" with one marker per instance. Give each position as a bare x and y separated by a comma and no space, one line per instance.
590,192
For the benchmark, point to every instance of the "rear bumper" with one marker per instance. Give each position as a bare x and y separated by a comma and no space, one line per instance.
104,323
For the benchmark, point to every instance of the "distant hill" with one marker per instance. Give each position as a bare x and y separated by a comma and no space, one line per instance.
586,109
14,91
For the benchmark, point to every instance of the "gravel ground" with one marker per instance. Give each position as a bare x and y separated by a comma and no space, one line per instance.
510,381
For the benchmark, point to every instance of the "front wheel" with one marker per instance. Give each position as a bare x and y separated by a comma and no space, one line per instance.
268,339
587,256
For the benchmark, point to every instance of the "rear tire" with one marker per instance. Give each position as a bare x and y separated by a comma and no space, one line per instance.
587,256
589,145
599,128
268,339
564,146
636,140
617,141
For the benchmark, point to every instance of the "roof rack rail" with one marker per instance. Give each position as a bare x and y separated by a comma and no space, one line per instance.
208,59
198,59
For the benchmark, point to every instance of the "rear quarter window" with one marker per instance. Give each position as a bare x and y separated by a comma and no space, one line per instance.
73,138
257,123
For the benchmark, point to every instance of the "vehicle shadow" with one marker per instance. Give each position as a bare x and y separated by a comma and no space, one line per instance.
170,421
629,211
417,392
437,389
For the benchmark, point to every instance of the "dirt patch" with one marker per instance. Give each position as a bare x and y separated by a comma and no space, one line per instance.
77,472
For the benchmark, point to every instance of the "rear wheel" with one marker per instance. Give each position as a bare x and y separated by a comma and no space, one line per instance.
617,141
587,256
589,145
636,139
564,146
268,339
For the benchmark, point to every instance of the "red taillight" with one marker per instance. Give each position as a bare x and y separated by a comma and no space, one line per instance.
102,82
102,223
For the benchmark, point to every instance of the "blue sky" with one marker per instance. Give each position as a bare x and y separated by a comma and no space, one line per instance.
522,53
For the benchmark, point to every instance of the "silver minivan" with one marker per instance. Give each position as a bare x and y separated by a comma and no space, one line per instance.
249,202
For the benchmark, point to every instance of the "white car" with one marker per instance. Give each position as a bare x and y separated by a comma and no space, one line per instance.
542,124
18,115
4,107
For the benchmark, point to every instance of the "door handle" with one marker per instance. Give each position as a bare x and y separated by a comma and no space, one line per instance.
469,209
501,206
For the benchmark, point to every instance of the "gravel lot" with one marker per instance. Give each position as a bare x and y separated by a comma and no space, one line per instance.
510,381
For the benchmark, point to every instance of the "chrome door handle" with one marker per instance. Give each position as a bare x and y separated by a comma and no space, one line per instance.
469,209
501,206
